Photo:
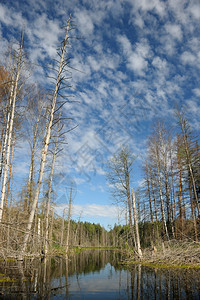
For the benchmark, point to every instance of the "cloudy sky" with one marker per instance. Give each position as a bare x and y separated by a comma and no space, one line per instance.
137,59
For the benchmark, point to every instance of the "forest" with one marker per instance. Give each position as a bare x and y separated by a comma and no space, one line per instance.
165,209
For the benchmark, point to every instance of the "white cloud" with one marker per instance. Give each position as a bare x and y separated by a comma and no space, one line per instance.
197,92
137,63
84,22
44,36
125,43
6,15
188,58
91,210
195,11
138,20
193,108
160,64
174,30
136,55
146,5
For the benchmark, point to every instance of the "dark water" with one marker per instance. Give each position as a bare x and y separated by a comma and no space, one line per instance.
94,274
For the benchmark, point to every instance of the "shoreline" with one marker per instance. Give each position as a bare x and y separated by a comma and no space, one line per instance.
169,255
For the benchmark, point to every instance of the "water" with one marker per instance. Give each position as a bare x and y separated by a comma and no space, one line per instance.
94,274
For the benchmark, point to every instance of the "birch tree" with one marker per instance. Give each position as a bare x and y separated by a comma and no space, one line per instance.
10,120
118,176
154,155
163,151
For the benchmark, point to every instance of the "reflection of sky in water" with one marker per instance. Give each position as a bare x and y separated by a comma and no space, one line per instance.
112,283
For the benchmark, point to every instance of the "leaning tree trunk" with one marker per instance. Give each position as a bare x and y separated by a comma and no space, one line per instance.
47,138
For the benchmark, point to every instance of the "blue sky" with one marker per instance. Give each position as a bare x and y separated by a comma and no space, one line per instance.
138,59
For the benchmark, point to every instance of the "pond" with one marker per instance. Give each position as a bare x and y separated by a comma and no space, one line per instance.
94,274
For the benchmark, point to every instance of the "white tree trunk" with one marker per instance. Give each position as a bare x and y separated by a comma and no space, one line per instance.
161,196
62,229
166,182
10,131
49,194
136,225
69,218
5,140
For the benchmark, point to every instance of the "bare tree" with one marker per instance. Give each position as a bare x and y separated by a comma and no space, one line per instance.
154,155
164,154
35,117
118,176
59,80
185,128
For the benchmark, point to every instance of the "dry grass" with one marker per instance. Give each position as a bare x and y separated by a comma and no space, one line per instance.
174,253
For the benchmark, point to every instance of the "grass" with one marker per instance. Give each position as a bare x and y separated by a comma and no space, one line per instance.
4,278
161,265
173,255
96,247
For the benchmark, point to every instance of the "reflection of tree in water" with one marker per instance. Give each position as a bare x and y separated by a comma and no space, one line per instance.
91,261
156,283
53,275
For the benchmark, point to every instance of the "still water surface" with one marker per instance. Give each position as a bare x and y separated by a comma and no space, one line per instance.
94,274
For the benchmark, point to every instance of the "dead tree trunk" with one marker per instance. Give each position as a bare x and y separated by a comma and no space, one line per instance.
10,173
180,190
136,226
168,200
31,171
149,192
47,138
62,228
184,128
69,218
49,194
192,209
160,191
